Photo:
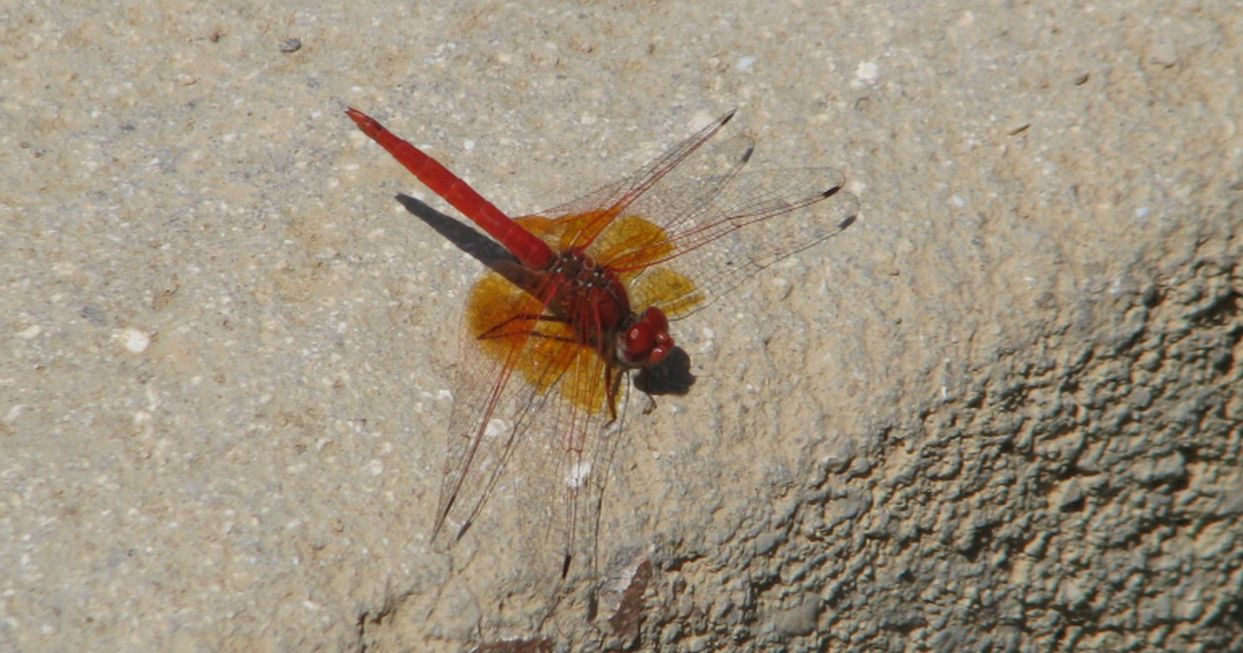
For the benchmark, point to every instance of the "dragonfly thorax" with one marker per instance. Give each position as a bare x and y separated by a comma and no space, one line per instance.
593,300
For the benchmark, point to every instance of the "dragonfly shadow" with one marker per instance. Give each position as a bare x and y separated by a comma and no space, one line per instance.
671,377
476,245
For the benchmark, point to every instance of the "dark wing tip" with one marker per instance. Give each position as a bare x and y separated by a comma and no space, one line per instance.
831,191
746,156
462,531
847,222
728,116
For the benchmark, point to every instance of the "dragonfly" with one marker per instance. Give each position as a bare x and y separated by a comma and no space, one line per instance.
584,298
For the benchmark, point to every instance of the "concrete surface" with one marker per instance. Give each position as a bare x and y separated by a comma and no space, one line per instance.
1000,413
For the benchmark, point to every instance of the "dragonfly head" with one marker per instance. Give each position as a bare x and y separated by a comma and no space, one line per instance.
647,340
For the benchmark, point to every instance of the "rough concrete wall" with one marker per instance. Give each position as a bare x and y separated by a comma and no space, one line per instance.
1080,492
999,413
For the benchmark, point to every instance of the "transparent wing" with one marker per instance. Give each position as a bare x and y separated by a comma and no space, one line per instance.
611,200
717,226
749,222
528,418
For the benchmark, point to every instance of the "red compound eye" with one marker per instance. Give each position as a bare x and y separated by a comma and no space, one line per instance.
647,341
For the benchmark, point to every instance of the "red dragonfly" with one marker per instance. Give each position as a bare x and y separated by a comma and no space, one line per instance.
586,299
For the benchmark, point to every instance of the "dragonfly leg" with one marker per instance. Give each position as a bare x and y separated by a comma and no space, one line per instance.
651,404
614,375
495,332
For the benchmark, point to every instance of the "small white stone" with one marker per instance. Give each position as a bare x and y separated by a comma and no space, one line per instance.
134,340
867,71
576,477
495,428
